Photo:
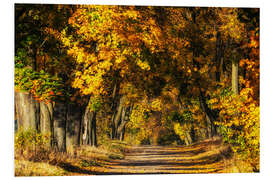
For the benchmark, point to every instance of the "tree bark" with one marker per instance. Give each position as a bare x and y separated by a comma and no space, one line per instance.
208,126
73,126
90,126
85,124
186,141
113,124
89,134
94,130
27,109
116,119
120,120
235,67
122,126
92,139
219,57
210,117
46,120
122,135
114,107
77,128
188,138
60,117
193,134
121,123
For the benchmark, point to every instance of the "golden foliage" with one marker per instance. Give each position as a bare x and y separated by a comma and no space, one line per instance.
240,123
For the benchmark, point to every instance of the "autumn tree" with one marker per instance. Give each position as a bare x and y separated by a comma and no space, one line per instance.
109,46
42,69
239,112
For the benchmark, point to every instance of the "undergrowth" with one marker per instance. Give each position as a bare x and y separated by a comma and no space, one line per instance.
34,157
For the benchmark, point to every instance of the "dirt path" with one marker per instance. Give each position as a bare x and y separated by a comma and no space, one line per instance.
209,156
166,160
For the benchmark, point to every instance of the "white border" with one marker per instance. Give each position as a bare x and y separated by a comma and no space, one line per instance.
7,49
211,3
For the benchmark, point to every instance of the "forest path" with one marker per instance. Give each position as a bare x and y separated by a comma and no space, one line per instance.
204,157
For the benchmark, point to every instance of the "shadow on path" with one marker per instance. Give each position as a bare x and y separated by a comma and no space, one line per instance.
169,163
158,160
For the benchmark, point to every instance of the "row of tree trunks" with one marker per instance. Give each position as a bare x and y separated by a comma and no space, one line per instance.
115,107
89,130
120,118
210,116
61,122
117,118
120,113
66,125
122,124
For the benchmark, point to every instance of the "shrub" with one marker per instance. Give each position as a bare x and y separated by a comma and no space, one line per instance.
240,124
31,145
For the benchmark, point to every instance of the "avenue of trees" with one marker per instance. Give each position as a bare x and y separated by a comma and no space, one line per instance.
146,75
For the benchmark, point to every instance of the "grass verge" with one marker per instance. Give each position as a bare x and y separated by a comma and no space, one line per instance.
83,160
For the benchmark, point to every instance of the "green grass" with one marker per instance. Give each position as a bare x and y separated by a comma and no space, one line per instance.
87,163
116,156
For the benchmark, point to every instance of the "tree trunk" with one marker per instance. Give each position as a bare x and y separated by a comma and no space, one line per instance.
77,128
113,124
124,121
73,126
27,109
117,119
208,126
193,134
89,117
210,117
219,60
92,139
60,117
46,120
89,135
94,130
120,120
155,135
188,138
34,60
85,124
121,123
235,67
186,141
122,134
114,107
82,127
155,120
